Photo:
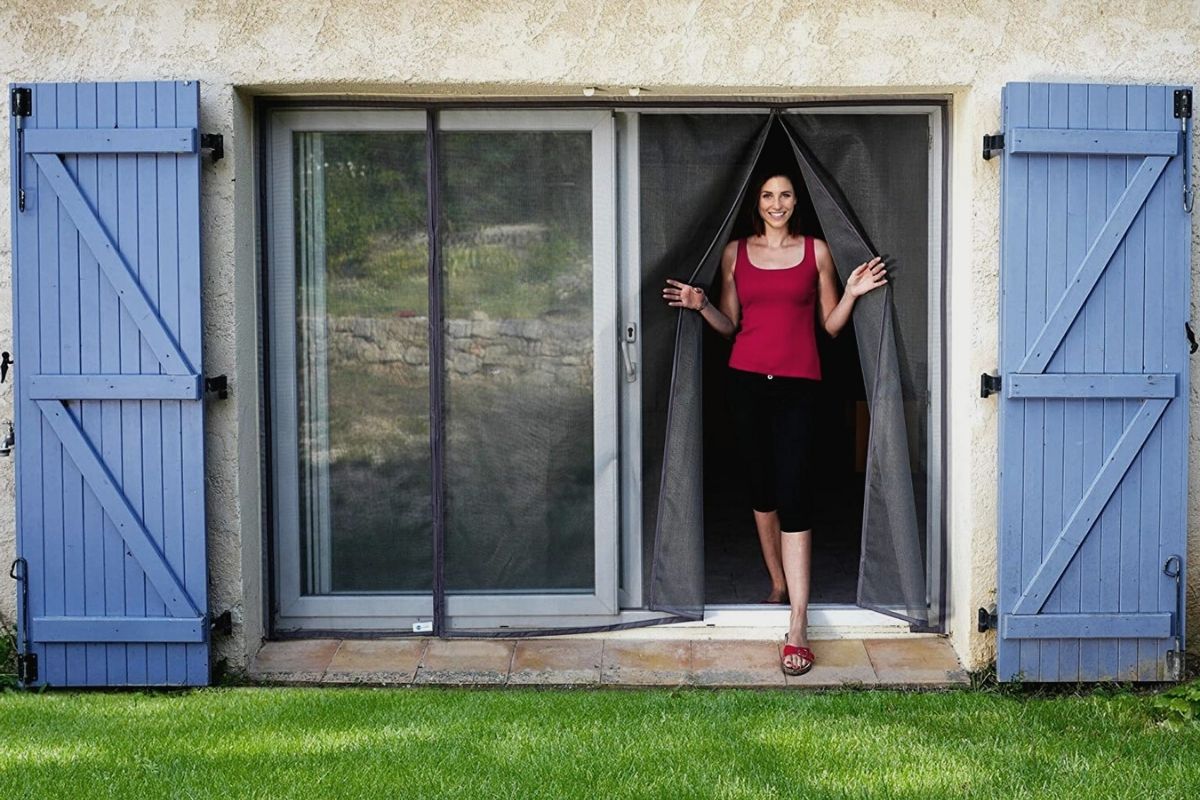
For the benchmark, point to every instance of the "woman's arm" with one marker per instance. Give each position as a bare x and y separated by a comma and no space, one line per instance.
724,320
835,312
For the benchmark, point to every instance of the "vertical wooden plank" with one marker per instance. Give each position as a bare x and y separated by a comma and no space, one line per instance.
52,456
108,443
1054,454
1012,294
150,445
1149,568
195,572
1134,277
110,363
1037,116
69,344
89,411
1114,349
167,208
130,349
30,526
1177,295
1068,590
1093,411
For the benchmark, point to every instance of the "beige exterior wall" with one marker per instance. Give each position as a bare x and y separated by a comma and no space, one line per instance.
966,50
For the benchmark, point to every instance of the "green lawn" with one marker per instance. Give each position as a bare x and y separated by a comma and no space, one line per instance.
426,743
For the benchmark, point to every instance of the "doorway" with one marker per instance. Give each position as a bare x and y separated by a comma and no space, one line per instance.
887,161
387,342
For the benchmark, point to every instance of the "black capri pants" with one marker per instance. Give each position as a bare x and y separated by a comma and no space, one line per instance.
773,420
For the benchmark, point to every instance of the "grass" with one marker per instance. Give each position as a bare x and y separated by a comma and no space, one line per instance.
8,658
248,742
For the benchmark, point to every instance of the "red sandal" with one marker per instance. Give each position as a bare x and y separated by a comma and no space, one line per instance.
796,650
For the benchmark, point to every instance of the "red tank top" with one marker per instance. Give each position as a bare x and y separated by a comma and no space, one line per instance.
779,317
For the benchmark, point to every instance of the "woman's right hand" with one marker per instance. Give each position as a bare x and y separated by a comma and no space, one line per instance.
681,295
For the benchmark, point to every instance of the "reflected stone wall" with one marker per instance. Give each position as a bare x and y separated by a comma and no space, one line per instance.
533,351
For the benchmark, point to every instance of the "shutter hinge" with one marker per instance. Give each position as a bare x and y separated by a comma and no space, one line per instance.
988,620
1183,104
989,385
27,668
992,143
215,143
218,385
22,102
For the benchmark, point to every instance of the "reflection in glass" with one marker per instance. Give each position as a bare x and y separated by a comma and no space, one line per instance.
362,362
517,260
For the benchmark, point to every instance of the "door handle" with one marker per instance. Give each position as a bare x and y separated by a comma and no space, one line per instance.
628,340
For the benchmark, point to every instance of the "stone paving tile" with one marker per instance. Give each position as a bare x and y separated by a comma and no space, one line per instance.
925,661
641,662
378,661
556,662
465,661
736,663
299,661
839,662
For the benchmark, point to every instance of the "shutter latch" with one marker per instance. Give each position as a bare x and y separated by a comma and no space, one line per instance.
27,672
1173,569
22,107
218,385
992,143
27,666
9,441
989,385
988,620
215,143
1183,113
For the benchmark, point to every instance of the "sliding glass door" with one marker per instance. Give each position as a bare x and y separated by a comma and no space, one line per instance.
528,255
523,365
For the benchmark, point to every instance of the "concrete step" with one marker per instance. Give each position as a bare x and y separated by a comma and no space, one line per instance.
908,661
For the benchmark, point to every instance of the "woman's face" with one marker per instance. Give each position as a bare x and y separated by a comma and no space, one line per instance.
776,202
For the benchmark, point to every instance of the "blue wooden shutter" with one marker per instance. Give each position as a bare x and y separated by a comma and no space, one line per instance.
1095,285
109,416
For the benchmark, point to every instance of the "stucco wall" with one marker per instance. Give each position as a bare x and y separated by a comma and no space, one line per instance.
504,48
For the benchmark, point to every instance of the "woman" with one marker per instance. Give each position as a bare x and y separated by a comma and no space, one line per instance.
775,286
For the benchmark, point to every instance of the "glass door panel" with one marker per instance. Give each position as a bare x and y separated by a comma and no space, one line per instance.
350,361
528,260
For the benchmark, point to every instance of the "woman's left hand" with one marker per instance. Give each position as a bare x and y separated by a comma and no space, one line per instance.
867,276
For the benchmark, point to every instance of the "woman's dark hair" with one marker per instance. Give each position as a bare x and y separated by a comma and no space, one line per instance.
795,223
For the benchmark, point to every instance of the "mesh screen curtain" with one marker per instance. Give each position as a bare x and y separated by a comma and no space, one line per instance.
715,175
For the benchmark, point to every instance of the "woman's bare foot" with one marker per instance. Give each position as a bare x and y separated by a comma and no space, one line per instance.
777,596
